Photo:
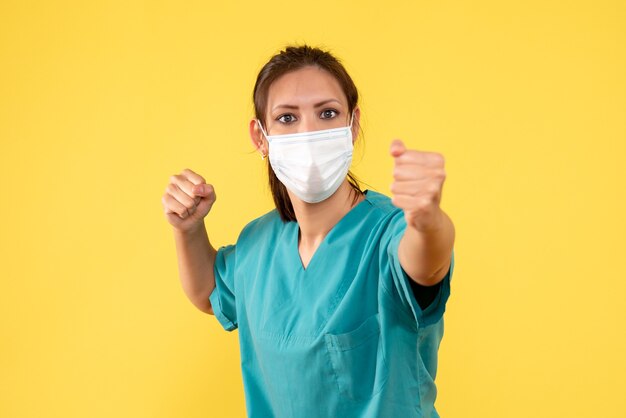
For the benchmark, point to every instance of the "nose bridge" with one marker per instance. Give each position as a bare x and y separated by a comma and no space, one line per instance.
307,123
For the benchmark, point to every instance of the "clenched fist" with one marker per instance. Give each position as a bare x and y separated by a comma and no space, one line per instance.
418,183
187,200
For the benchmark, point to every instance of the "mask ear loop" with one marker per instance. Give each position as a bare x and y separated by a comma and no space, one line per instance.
263,156
261,126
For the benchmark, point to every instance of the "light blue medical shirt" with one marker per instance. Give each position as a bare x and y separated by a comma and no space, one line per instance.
344,337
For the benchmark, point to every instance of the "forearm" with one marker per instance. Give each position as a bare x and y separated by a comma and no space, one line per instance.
196,258
425,255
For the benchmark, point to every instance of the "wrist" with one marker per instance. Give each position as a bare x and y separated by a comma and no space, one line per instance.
434,223
190,231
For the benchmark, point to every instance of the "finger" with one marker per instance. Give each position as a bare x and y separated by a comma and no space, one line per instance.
404,201
408,172
180,196
204,190
412,202
174,206
192,176
416,172
397,148
427,159
410,187
183,184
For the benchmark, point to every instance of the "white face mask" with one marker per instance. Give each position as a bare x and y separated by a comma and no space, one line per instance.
313,164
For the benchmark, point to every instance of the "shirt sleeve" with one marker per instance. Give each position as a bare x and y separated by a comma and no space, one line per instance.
401,289
222,298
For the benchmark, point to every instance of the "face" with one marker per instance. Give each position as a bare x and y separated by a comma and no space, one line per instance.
309,99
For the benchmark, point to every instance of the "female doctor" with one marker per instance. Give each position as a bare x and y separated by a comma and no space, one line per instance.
338,293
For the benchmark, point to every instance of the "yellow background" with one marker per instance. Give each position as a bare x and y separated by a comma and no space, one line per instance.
100,102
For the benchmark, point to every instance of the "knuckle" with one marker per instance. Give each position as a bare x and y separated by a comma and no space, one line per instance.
176,206
170,188
424,202
192,175
189,204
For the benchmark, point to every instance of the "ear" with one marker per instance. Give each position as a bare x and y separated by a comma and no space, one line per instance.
356,126
258,139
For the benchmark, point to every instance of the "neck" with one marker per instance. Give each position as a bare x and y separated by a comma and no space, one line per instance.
316,219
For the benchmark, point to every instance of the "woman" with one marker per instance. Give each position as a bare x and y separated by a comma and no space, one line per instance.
338,293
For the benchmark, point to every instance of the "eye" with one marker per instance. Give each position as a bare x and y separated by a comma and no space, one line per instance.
329,113
286,118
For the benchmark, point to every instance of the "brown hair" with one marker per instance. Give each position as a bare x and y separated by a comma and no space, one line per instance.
293,58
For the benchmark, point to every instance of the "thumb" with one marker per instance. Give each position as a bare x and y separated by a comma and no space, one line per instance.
200,190
397,148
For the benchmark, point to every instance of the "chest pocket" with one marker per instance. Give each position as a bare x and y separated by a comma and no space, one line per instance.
358,360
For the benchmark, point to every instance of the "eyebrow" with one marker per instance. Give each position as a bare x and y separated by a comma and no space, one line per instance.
288,106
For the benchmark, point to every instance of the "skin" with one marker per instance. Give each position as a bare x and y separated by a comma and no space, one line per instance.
293,106
425,250
426,246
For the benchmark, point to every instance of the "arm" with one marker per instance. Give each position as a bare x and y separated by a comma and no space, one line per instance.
196,258
425,249
187,200
426,255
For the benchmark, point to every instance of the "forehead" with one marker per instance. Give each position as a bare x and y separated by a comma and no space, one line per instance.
308,84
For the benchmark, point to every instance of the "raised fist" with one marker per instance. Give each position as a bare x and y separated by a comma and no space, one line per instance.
187,200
